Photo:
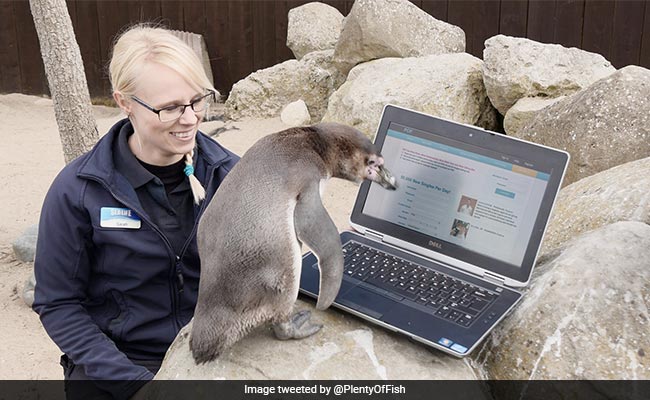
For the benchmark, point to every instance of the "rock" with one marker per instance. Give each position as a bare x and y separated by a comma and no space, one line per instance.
323,59
28,290
584,317
345,348
524,110
313,27
393,28
617,194
448,85
605,125
25,246
265,92
295,114
516,67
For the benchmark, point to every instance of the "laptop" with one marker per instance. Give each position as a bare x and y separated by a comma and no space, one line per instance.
441,259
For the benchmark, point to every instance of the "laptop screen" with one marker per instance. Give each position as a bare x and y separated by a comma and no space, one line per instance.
458,193
473,195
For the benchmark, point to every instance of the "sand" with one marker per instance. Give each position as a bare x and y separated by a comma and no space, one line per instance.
31,158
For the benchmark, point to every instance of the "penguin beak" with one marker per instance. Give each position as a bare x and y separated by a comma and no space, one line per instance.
385,178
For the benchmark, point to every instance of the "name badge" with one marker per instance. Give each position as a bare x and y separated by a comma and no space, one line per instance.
112,217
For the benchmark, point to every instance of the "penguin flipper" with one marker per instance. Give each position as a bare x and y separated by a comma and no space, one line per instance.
315,228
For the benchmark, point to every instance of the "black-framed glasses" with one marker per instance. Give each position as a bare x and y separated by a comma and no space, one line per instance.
175,111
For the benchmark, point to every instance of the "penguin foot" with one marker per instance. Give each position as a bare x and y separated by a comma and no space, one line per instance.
298,326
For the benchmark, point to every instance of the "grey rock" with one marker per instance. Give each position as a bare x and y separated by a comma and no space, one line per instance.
264,93
516,67
393,28
559,330
447,85
604,125
524,110
313,27
617,194
344,349
25,246
324,59
28,290
295,114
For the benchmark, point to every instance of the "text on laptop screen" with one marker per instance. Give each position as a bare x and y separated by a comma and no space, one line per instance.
480,200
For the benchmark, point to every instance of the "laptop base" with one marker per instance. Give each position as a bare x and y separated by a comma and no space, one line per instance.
406,316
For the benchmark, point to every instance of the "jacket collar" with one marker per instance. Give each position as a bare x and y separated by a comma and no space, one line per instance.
126,162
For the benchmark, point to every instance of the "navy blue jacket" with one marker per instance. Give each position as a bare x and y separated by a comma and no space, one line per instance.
105,294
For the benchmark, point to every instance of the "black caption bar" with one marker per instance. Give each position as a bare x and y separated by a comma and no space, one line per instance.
342,389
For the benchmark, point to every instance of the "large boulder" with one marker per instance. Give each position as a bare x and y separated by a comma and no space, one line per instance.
313,27
324,59
524,111
516,67
345,348
584,317
264,93
448,85
621,193
602,126
393,28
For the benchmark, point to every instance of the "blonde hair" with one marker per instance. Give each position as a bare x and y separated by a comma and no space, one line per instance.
144,43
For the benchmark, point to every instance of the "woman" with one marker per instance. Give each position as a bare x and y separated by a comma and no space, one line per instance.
117,267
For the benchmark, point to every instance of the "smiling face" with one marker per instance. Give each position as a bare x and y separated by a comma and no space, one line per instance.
155,142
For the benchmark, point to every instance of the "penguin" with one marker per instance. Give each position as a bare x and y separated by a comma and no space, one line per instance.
250,234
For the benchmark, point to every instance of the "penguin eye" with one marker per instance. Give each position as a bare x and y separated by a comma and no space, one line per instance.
371,162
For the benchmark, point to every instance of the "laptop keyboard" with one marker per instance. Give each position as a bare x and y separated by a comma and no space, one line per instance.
446,297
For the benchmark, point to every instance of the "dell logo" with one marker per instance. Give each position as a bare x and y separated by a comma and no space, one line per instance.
435,245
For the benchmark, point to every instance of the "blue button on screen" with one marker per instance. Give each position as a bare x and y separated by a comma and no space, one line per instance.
505,193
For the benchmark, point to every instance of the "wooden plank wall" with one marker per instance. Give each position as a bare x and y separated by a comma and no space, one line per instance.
243,36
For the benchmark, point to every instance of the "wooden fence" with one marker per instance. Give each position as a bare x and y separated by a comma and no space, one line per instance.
243,36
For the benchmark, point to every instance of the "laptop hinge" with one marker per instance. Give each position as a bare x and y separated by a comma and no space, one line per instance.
497,280
374,235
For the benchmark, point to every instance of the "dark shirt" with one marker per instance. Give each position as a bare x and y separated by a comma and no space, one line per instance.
164,192
170,175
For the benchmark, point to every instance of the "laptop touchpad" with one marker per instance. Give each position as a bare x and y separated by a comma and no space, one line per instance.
366,302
